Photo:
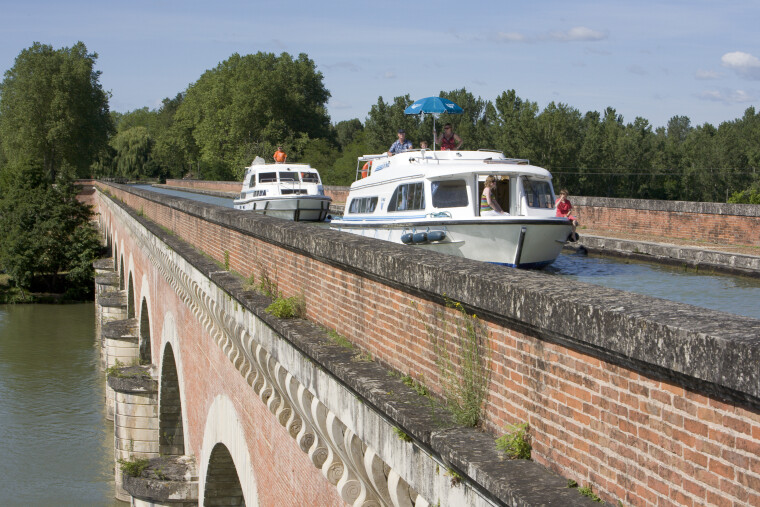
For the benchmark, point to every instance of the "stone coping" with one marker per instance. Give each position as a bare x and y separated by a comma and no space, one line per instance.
103,263
166,479
120,330
109,278
708,208
677,255
713,352
114,299
133,380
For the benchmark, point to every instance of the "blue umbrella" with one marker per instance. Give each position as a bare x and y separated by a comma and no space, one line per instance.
434,106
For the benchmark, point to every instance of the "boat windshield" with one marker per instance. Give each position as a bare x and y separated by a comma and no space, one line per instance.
267,177
288,176
449,194
309,178
538,193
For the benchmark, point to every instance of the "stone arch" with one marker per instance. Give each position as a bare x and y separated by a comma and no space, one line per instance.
144,347
171,427
130,298
224,436
222,485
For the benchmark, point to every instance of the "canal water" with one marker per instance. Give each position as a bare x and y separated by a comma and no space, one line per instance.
56,446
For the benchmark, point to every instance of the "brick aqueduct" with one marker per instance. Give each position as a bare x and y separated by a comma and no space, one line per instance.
646,401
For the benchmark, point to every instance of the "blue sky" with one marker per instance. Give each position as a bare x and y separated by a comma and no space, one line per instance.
654,59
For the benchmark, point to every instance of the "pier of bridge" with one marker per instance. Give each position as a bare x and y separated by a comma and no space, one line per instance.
644,400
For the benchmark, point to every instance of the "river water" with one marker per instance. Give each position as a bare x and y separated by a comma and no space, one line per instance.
56,446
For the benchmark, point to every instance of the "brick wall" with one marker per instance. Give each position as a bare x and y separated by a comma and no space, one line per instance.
649,401
732,224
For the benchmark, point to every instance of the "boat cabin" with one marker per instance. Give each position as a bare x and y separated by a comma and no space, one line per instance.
448,183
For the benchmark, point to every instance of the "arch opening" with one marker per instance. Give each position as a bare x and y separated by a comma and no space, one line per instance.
121,273
171,434
222,486
145,345
131,299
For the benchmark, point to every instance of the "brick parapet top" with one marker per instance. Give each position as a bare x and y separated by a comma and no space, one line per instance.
710,351
706,208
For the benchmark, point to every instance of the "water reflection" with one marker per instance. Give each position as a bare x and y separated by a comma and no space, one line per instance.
208,199
55,443
737,295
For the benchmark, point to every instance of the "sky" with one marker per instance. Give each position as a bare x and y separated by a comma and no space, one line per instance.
645,58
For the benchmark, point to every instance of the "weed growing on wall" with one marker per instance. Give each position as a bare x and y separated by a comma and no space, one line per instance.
462,357
133,467
288,308
401,434
516,442
226,260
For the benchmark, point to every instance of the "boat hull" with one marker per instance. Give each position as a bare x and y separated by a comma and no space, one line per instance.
302,208
522,243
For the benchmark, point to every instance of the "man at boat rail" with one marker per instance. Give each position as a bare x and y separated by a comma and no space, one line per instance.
280,156
401,144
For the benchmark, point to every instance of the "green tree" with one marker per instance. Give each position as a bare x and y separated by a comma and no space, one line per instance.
133,153
53,111
248,105
46,231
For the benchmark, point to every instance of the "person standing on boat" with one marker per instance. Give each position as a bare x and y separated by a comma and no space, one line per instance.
280,156
488,203
401,144
564,206
448,140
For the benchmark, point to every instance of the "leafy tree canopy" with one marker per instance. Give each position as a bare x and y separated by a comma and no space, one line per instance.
53,111
248,105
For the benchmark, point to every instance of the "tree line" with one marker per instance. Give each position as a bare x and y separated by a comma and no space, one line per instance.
56,125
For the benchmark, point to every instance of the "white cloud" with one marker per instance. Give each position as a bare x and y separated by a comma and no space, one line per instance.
727,96
389,75
706,74
578,33
744,64
510,37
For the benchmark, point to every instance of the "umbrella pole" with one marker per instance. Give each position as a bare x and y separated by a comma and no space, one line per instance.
433,132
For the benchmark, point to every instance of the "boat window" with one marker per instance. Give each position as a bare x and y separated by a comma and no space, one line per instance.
407,197
538,193
267,177
252,182
449,194
287,176
363,205
309,178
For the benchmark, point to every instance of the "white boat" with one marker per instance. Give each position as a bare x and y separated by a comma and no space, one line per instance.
289,191
431,199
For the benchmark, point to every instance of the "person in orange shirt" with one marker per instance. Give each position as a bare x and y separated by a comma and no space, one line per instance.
279,156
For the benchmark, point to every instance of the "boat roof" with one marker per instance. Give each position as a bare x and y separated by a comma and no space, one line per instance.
257,168
430,163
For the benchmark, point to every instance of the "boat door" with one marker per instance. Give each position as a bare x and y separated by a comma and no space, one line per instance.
502,191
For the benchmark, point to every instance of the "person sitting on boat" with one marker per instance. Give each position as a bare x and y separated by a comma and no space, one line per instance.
280,156
488,203
423,145
448,139
563,210
401,144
